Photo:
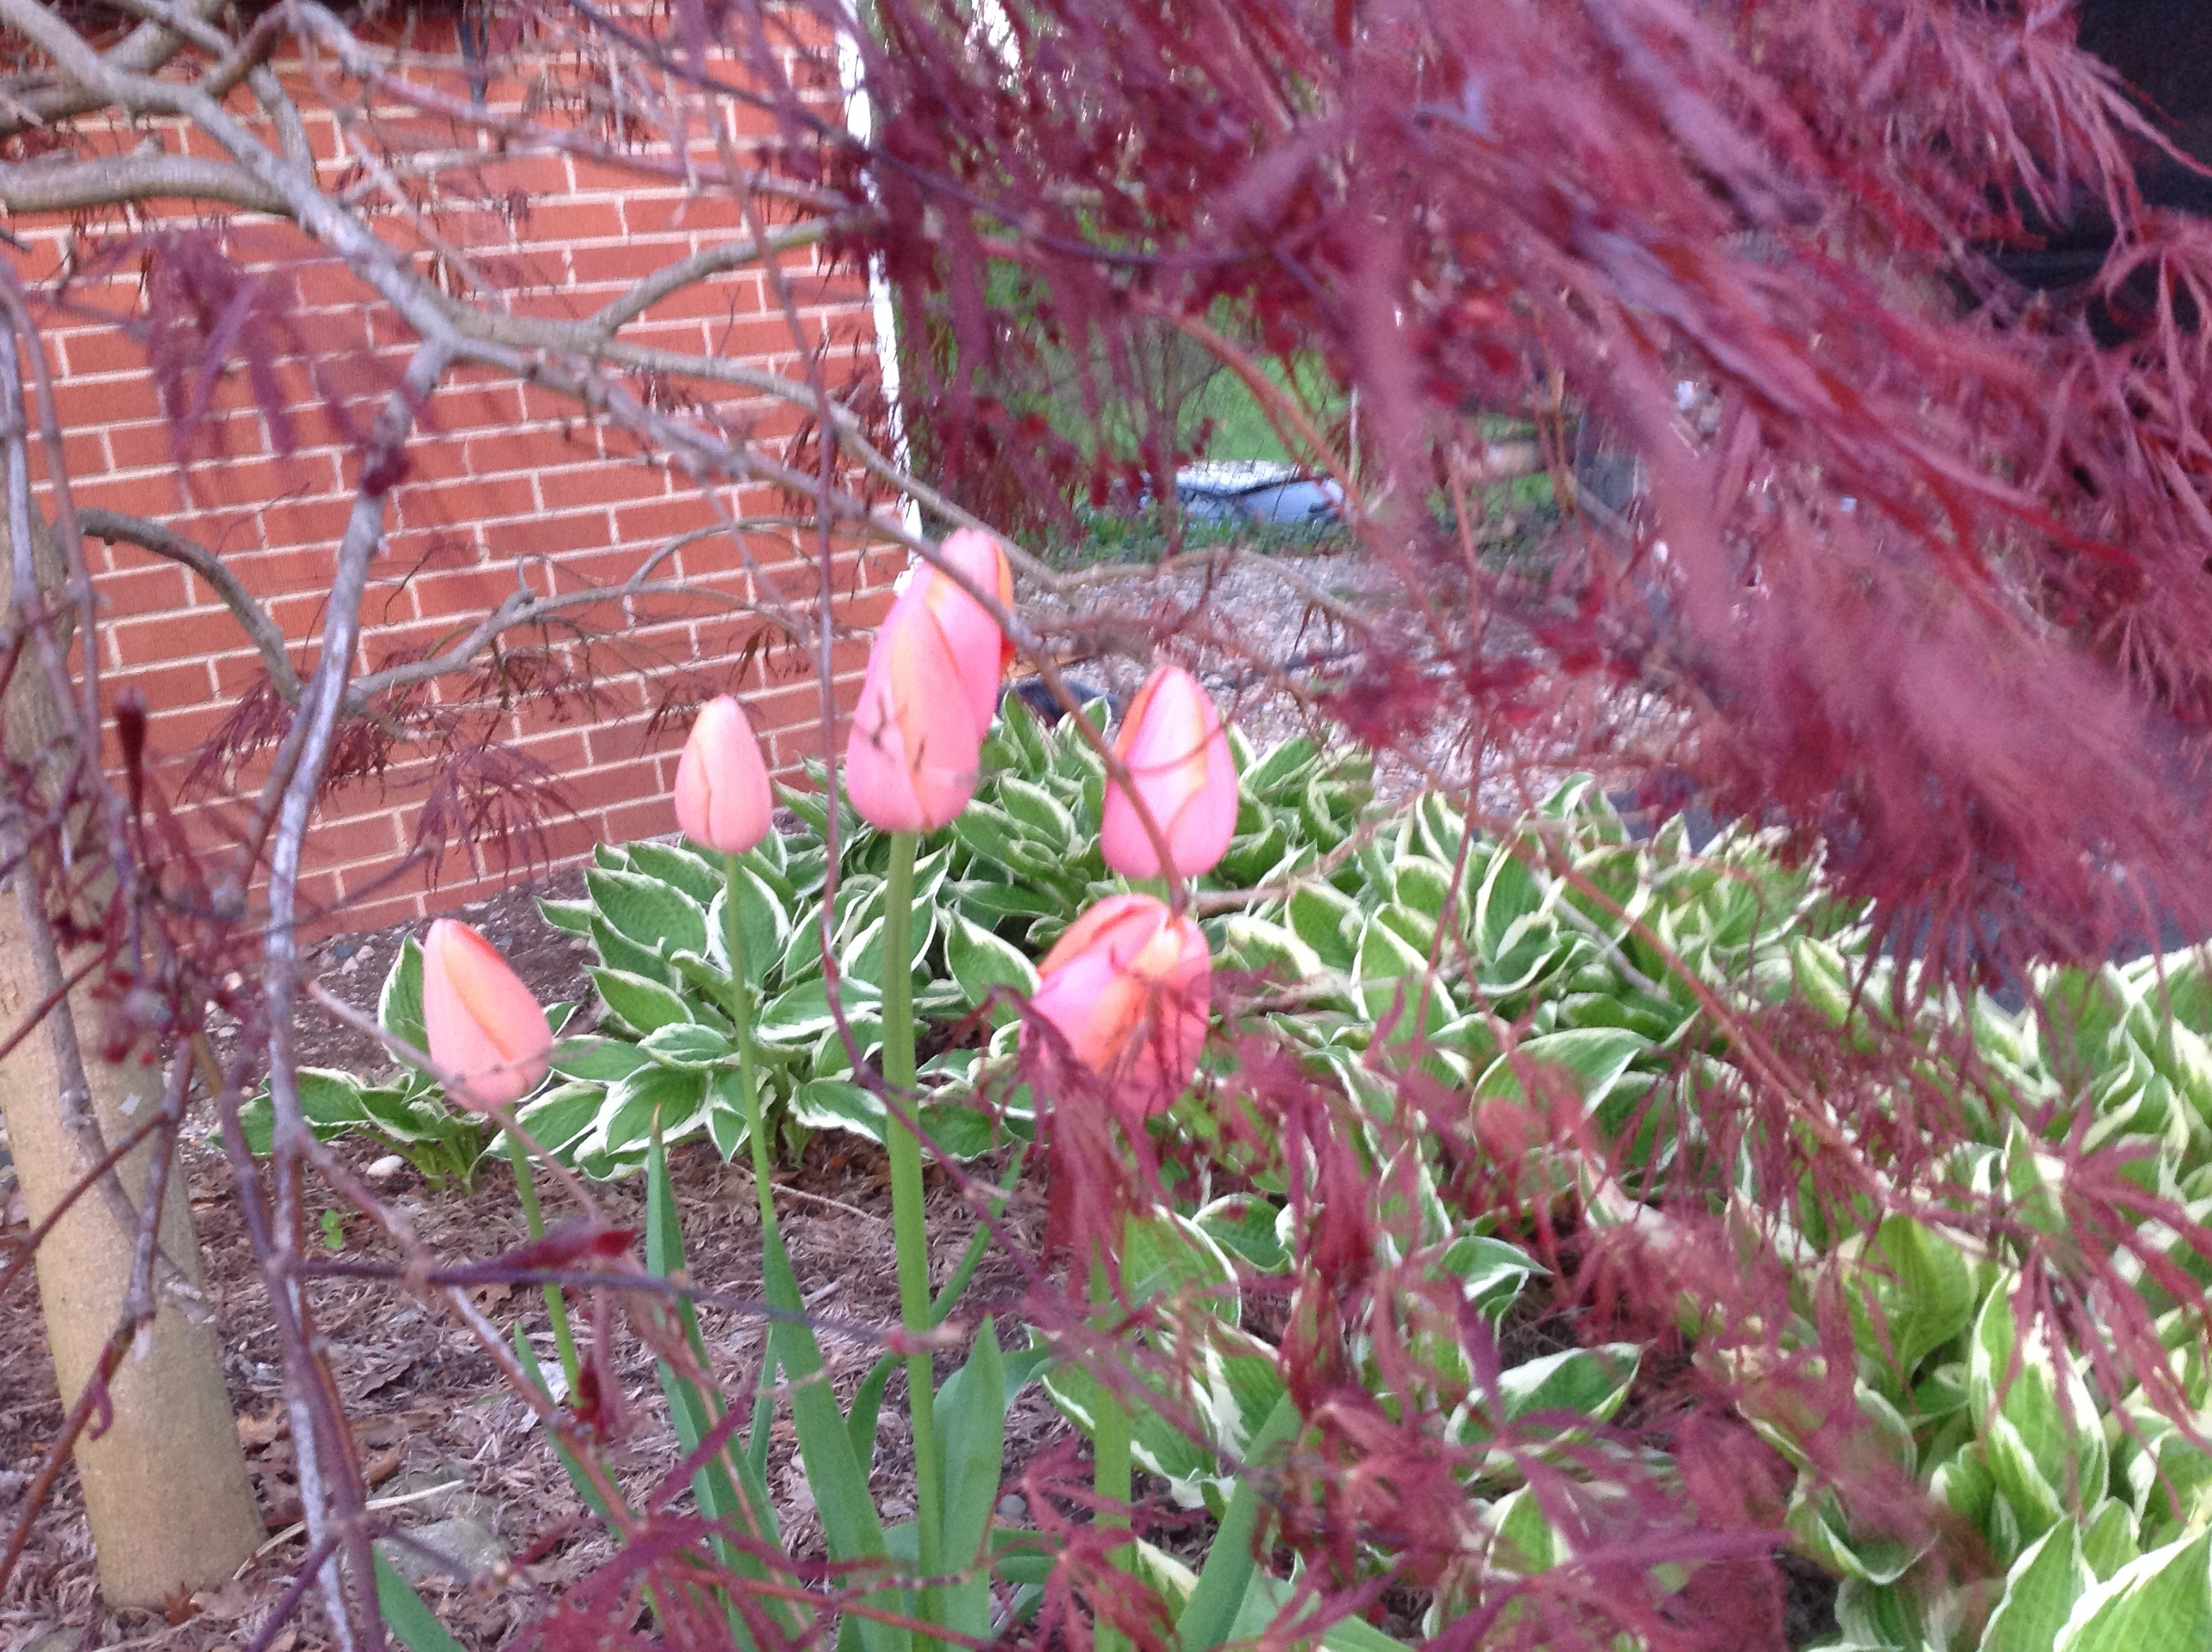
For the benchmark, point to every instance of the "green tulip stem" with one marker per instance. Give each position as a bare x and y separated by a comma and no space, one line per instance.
556,1305
1110,1474
741,1006
908,1221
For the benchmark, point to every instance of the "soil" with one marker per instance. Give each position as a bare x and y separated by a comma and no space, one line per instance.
439,1437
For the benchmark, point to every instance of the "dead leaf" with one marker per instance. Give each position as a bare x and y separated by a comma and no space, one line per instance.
179,1607
254,1432
229,1603
383,1466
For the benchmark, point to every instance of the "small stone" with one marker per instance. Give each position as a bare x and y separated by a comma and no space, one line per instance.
387,1168
464,1547
52,1637
1012,1508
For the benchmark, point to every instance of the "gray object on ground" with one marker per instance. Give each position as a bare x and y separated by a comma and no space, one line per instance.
1256,492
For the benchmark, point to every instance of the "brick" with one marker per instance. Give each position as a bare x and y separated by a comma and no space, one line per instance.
159,589
167,688
629,261
249,484
551,535
470,499
467,591
604,483
557,223
99,349
304,522
236,672
272,574
714,213
662,519
80,403
380,913
334,842
491,451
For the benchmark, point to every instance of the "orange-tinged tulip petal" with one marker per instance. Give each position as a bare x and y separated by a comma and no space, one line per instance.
722,795
485,1029
912,759
1181,771
980,649
1128,988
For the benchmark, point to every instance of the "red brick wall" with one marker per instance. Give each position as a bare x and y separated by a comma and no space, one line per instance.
498,470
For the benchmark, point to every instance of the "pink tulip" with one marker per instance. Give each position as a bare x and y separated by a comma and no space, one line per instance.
1127,988
1177,755
485,1029
722,796
932,686
982,650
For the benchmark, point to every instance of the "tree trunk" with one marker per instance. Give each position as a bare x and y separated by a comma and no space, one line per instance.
166,1488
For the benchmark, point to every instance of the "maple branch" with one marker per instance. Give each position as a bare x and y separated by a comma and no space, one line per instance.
117,526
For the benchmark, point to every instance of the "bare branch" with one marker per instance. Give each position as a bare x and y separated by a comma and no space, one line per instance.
146,175
116,527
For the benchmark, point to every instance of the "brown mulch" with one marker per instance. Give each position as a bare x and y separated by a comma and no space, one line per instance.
432,1420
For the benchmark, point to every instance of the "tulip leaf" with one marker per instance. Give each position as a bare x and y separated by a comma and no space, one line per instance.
642,1004
971,1412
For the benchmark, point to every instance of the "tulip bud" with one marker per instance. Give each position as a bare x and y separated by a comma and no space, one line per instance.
1177,756
722,796
981,650
485,1029
1127,988
911,761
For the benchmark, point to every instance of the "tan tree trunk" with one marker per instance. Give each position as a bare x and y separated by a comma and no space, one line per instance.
166,1488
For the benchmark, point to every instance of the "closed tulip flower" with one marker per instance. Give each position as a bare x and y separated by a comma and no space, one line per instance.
485,1029
929,692
722,796
1180,769
979,648
1127,988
